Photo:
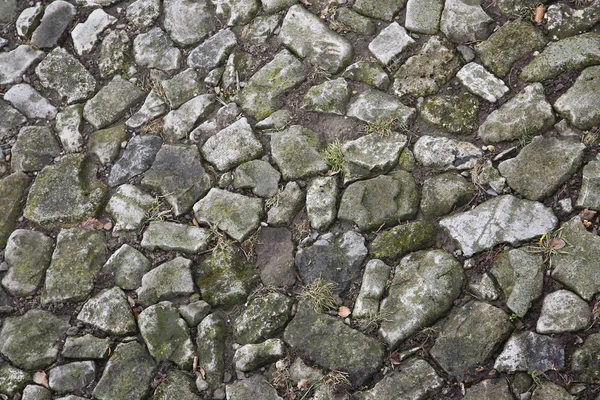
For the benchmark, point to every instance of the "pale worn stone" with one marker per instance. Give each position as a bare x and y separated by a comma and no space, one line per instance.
482,83
232,146
464,21
188,22
321,198
391,42
68,128
212,52
563,311
168,280
109,311
374,282
154,49
14,63
423,16
171,236
295,153
57,17
379,9
85,34
29,102
446,153
373,106
528,351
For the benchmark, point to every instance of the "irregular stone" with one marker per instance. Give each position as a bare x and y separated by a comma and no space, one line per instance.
86,347
68,125
528,351
295,153
195,312
427,71
35,392
298,371
423,16
236,12
548,390
589,195
12,189
482,83
489,389
542,166
275,257
334,257
263,28
112,102
232,146
464,21
514,41
57,17
127,266
578,104
109,311
403,239
478,229
288,204
154,106
181,88
28,20
259,176
137,157
368,72
210,346
27,254
443,193
128,207
354,22
564,21
171,236
178,123
321,198
168,280
563,311
11,120
526,113
487,175
379,9
225,278
253,356
329,97
453,114
71,377
390,43
307,36
372,106
483,287
115,54
9,10
380,201
29,102
96,3
585,362
259,97
255,387
470,336
414,379
188,22
12,380
154,49
31,341
14,63
334,345
575,52
374,283
263,318
106,143
212,52
178,385
35,148
129,370
274,6
143,13
446,153
85,34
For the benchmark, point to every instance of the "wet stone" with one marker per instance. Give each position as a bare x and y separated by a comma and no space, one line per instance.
57,17
212,52
564,20
579,103
167,281
68,128
29,102
232,146
403,239
154,106
464,21
379,9
289,203
373,106
154,49
481,83
259,176
106,143
127,266
263,318
187,22
528,351
329,97
35,148
354,22
195,312
179,123
85,34
585,362
255,387
115,54
295,153
563,311
72,377
128,208
210,346
453,114
275,257
423,16
14,63
12,380
12,189
489,389
368,72
143,13
137,157
171,236
443,193
589,195
109,311
253,356
391,42
373,286
321,199
11,120
445,153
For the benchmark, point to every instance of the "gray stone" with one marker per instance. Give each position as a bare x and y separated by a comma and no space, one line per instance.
181,88
542,166
427,71
514,41
106,143
521,276
35,392
253,356
212,52
154,106
255,387
414,380
236,12
298,371
225,278
424,288
478,229
483,287
423,16
35,148
232,146
333,345
29,102
403,239
143,13
168,280
178,123
528,351
12,189
574,52
177,385
379,9
128,207
127,374
446,153
329,97
263,318
368,72
295,153
260,95
578,104
380,201
68,128
195,312
66,192
454,114
372,288
28,20
517,7
274,6
210,346
589,195
481,82
490,389
353,21
321,199
12,380
528,113
390,43
464,21
307,36
9,10
334,257
585,362
72,377
259,176
127,266
563,311
171,236
233,213
137,157
275,257
28,254
564,21
372,106
11,120
14,63
109,311
112,102
85,34
487,175
31,341
287,204
57,17
548,390
469,337
154,49
96,3
263,28
441,194
115,54
86,347
167,335
188,22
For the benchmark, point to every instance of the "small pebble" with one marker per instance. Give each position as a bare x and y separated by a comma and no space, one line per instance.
201,384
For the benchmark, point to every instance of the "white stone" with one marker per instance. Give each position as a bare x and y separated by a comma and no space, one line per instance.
154,106
390,43
321,198
29,102
563,311
445,153
85,34
68,125
481,82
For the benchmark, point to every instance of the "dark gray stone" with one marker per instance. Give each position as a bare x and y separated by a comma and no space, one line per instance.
528,351
57,17
275,257
72,377
137,157
35,148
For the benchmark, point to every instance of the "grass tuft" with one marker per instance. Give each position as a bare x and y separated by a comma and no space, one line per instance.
334,156
319,293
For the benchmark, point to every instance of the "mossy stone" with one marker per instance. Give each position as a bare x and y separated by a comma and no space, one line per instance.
442,193
403,239
263,318
12,189
449,113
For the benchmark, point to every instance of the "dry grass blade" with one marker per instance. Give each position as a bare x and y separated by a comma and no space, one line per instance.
334,156
319,293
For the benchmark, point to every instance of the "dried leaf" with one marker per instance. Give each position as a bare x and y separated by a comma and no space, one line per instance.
203,373
587,214
92,224
344,311
41,378
395,358
540,11
195,365
195,222
556,243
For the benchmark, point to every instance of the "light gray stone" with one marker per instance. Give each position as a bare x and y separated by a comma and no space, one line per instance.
490,389
255,387
85,34
210,346
86,347
295,153
273,6
252,356
128,207
181,88
379,9
28,20
445,153
390,43
373,106
109,311
321,199
34,148
259,176
72,377
287,205
57,17
564,21
29,102
179,123
464,21
137,157
106,143
195,312
171,236
483,287
154,106
528,351
368,72
112,102
127,266
263,318
563,311
168,280
589,195
11,120
236,12
423,16
481,82
9,10
143,13
232,146
372,288
443,193
578,104
12,380
329,97
212,52
188,22
14,63
68,128
354,22
179,385
154,49
35,392
115,54
263,28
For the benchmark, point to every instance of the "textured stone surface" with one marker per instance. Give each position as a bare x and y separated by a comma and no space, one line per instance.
109,311
528,351
188,22
232,146
374,106
137,157
168,280
321,199
391,42
589,195
57,17
443,193
578,104
372,288
252,356
329,97
12,189
128,207
563,311
171,236
35,148
30,102
423,16
111,102
585,362
380,9
482,83
14,63
454,114
295,153
464,21
154,49
445,153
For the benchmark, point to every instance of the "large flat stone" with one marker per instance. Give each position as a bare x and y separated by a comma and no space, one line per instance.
11,120
167,281
295,153
445,153
372,106
528,351
232,146
57,17
30,102
188,22
580,103
109,311
154,49
172,236
12,189
14,63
